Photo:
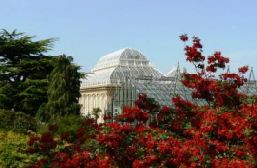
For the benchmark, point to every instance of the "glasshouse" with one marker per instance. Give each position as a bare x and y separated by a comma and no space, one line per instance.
118,78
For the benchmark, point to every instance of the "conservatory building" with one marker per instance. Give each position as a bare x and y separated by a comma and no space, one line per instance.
118,78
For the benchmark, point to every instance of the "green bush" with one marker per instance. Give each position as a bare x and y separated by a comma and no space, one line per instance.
17,121
67,123
12,150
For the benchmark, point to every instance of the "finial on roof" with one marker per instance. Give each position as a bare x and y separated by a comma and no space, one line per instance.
251,75
228,69
178,66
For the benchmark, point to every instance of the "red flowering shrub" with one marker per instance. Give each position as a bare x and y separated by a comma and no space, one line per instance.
133,114
221,133
147,104
183,37
243,69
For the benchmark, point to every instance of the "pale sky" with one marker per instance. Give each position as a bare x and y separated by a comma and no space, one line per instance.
89,29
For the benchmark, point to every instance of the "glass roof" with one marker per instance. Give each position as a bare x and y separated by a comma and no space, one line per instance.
116,67
123,57
129,70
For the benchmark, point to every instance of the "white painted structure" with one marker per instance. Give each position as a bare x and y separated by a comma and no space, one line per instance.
110,73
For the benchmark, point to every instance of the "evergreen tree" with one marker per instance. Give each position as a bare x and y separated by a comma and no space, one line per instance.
33,92
23,71
63,90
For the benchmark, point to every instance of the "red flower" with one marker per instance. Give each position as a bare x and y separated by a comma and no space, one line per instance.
196,42
150,159
138,164
105,162
130,114
193,55
130,152
219,100
165,109
164,147
107,117
243,69
183,37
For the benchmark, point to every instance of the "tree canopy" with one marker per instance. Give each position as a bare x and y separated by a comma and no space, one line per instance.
23,71
26,73
63,90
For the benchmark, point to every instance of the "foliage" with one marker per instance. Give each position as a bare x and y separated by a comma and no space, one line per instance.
17,121
222,133
68,123
149,105
33,91
12,150
96,113
61,146
42,86
63,91
23,71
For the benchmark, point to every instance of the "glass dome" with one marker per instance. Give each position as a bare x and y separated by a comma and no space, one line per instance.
116,67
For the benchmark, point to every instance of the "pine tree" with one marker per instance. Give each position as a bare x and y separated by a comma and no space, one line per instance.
63,90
